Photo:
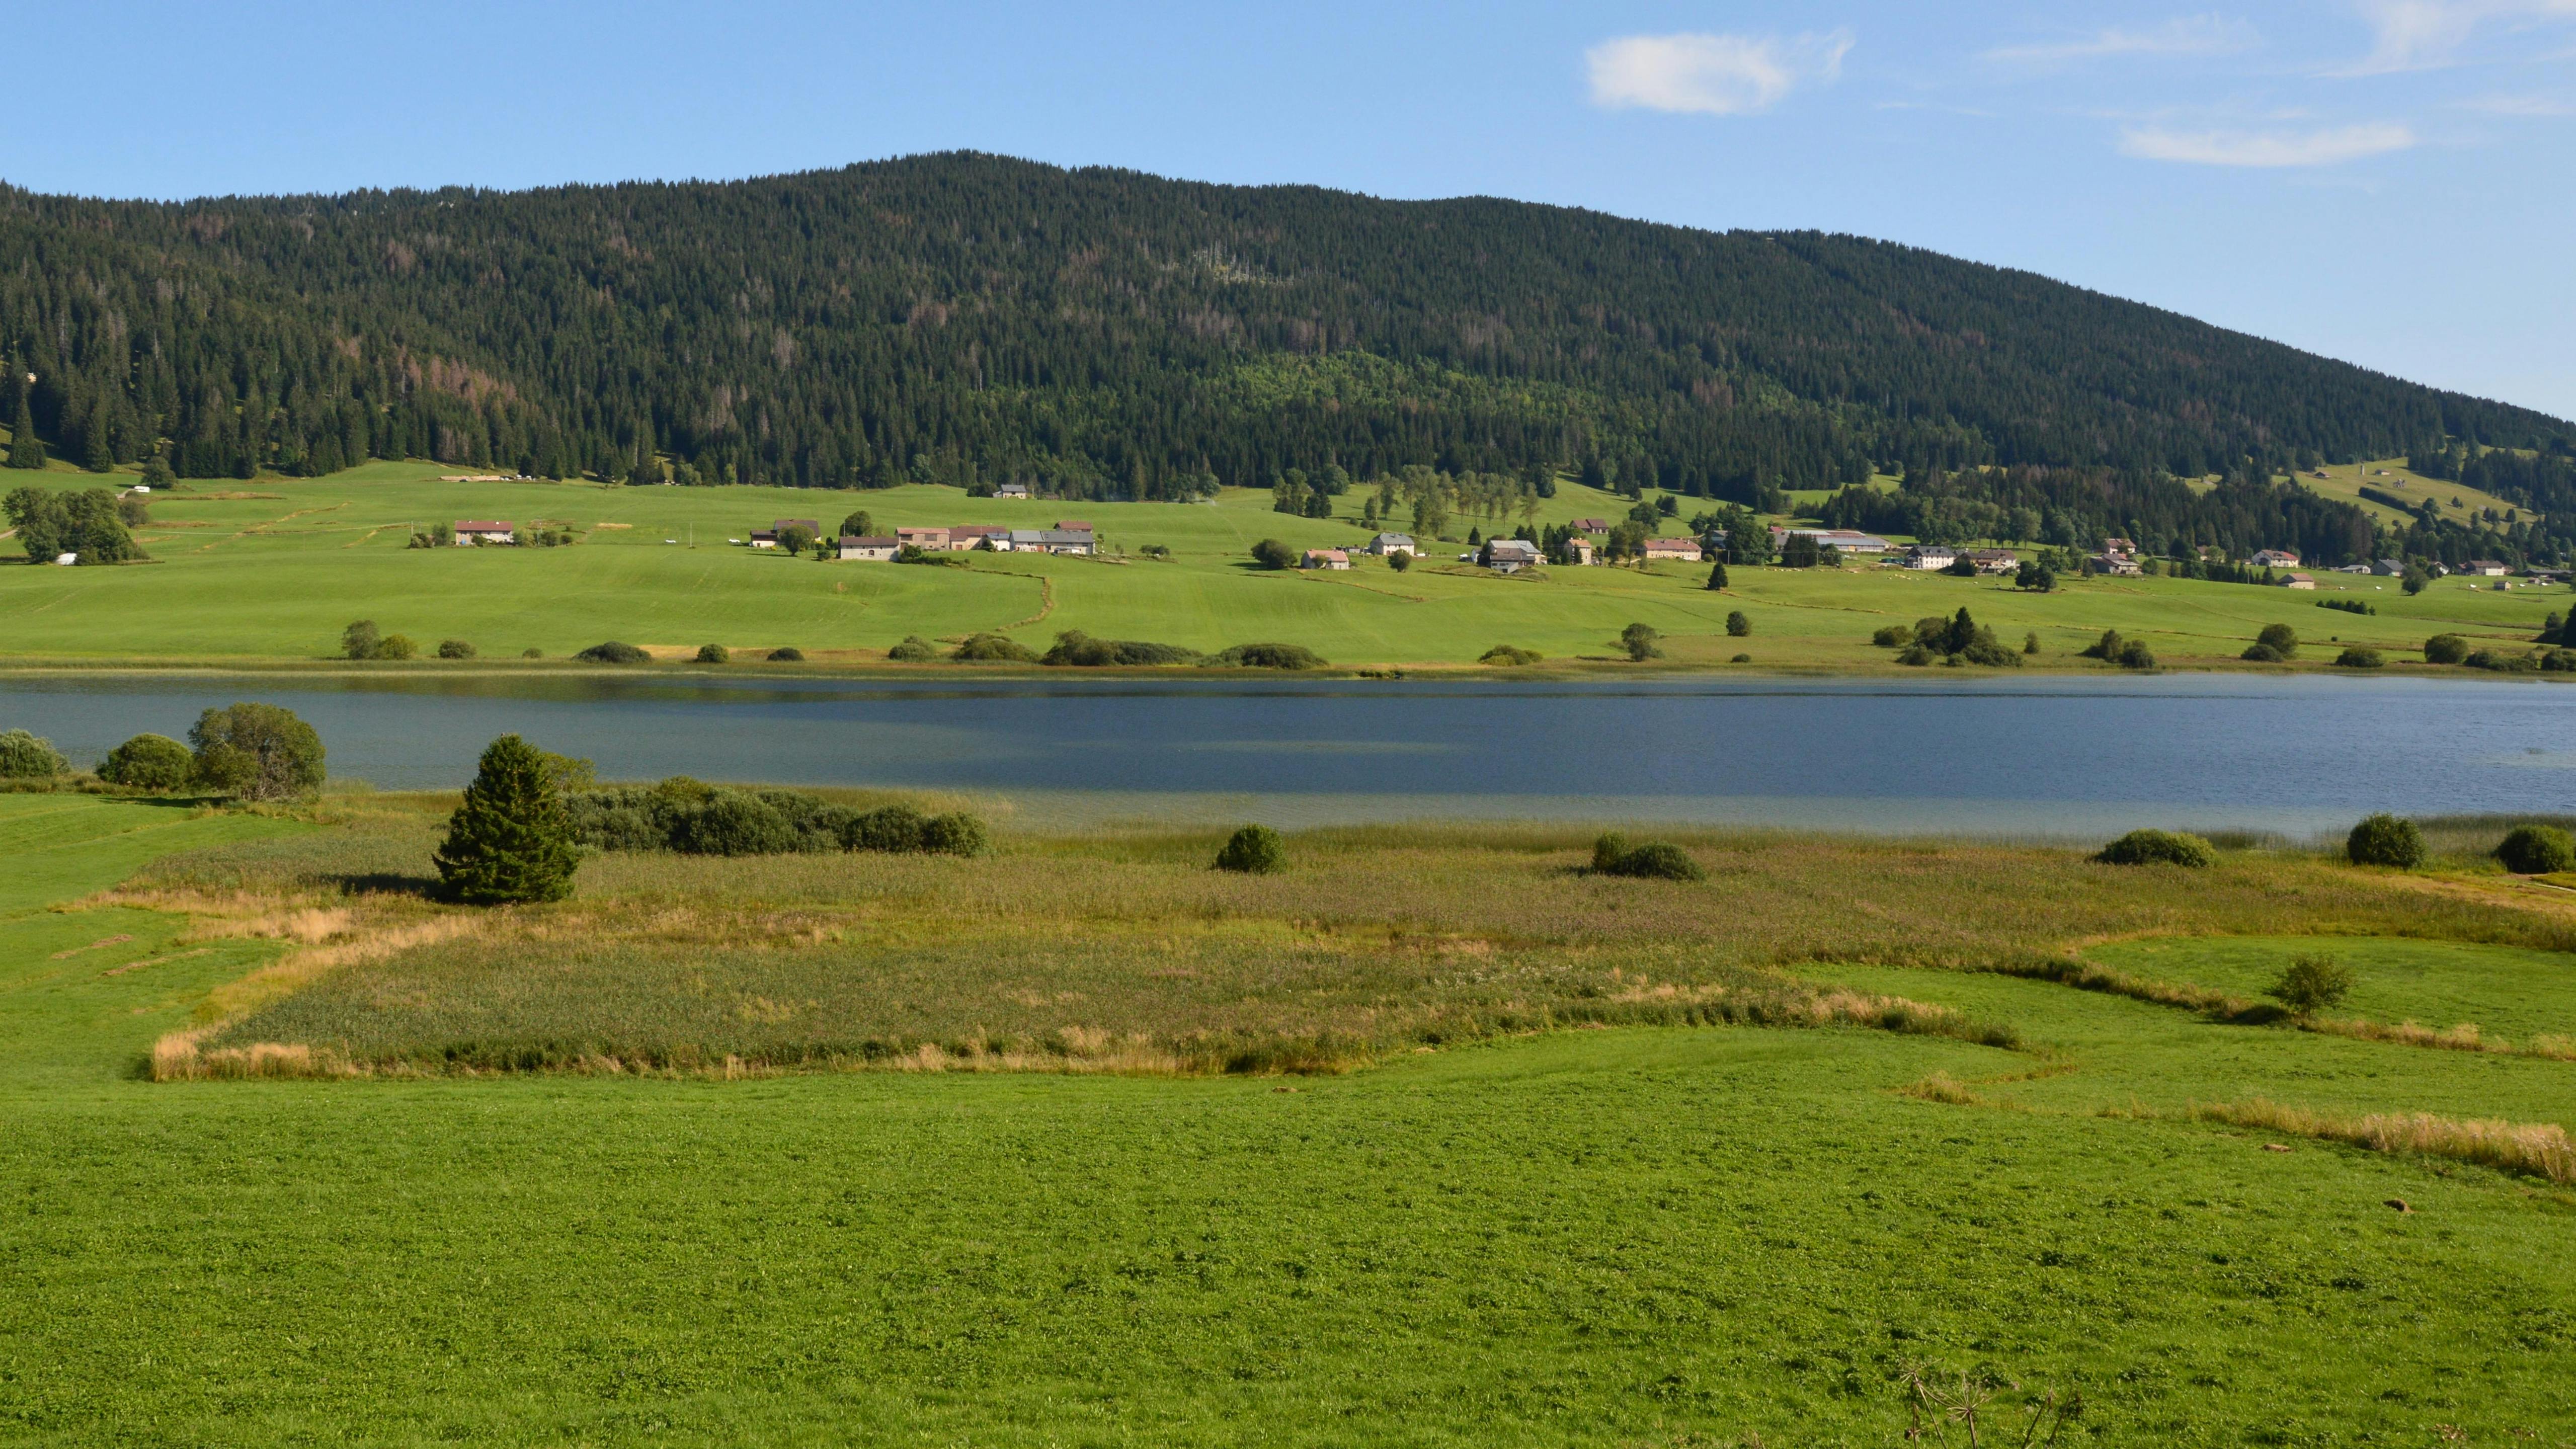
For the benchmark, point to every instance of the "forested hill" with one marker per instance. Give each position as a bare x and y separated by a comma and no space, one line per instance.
968,318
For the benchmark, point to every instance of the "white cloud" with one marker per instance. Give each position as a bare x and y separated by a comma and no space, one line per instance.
2189,35
1716,75
2266,148
2424,34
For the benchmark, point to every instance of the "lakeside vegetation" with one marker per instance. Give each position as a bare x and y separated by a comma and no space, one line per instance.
279,571
1563,1155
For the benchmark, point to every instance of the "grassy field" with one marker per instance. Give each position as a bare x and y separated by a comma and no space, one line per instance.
272,571
1618,1234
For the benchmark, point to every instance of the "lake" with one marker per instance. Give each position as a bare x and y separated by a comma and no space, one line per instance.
2001,756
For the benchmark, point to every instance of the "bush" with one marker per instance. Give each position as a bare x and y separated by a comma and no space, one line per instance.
2445,649
1509,654
2158,847
1892,636
1253,850
396,646
455,649
532,654
360,639
2385,840
256,751
1075,648
511,839
1716,577
25,757
1987,652
2136,655
958,834
1265,656
1641,640
1655,860
2312,984
714,654
2537,850
2360,657
2030,642
735,823
1917,655
1738,626
1741,659
2559,661
895,829
1399,561
2263,654
787,654
993,649
613,652
913,650
2280,638
1270,553
148,762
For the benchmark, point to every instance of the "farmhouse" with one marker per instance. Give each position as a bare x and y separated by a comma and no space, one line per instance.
1511,555
1048,540
928,540
2485,568
2388,568
1994,560
1841,540
1579,551
812,529
1387,543
1685,550
1017,491
764,538
977,535
1326,558
1592,525
2273,558
471,531
2297,581
1930,556
871,549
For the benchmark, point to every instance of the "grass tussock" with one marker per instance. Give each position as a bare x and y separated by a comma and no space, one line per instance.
2540,1150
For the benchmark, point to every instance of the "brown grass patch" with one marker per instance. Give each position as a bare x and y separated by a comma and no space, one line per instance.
2540,1150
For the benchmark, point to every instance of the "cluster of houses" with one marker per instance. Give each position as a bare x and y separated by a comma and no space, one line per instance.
1070,535
1506,555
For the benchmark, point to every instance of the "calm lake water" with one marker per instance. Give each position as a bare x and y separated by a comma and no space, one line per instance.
2038,757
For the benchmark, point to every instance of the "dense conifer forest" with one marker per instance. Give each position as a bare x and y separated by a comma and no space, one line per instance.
972,319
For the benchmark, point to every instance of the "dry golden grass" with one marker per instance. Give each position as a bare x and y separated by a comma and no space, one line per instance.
2535,1150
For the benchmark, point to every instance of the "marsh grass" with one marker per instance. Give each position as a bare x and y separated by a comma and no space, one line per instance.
1119,951
2540,1150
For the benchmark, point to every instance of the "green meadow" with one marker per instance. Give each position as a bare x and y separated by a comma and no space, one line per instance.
895,1149
271,571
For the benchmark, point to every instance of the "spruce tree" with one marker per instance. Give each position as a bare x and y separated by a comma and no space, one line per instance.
511,840
24,450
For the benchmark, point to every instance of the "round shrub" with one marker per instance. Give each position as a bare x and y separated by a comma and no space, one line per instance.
455,649
1655,860
1266,656
1509,654
257,751
2385,840
2445,649
1738,626
1607,850
1741,659
1892,636
993,649
148,762
2263,654
532,654
396,646
788,655
2360,657
2158,847
2136,655
613,652
2537,850
957,834
2312,984
894,828
25,757
1253,850
714,654
1270,553
2282,638
913,650
732,823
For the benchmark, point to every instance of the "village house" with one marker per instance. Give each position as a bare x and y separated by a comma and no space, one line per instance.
763,538
1074,525
2485,568
471,531
1930,556
1017,491
1046,540
964,536
1592,525
1387,543
1681,550
2273,558
928,540
1511,555
2388,568
1994,560
1326,558
2297,581
812,528
2118,558
869,550
1841,540
1579,551
2355,568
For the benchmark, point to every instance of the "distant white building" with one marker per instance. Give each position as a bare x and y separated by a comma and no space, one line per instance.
2274,558
1681,550
1387,543
869,549
2485,568
1511,555
1841,540
1932,556
1018,491
1326,558
471,531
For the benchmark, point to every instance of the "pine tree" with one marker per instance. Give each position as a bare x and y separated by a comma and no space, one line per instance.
1716,576
510,840
24,450
97,455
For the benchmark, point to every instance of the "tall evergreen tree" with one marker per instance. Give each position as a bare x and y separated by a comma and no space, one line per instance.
510,840
24,450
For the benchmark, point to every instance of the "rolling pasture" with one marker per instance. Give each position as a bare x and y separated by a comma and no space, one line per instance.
272,570
1571,1225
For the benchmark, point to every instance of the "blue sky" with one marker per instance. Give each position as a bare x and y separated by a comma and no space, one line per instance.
2389,181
